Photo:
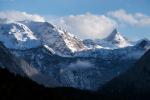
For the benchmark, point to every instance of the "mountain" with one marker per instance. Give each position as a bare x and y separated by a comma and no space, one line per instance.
133,84
60,59
80,71
128,52
134,80
42,66
113,41
61,41
29,34
15,35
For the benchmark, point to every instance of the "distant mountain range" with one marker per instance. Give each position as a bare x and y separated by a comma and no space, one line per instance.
54,57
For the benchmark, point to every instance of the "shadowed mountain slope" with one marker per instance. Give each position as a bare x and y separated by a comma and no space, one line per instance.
133,84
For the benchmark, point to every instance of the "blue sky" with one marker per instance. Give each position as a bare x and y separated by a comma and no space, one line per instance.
95,7
65,7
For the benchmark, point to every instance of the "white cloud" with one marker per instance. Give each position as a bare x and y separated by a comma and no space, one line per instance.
19,16
87,25
136,19
81,65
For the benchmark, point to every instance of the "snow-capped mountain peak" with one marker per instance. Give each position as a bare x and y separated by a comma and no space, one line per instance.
61,41
117,39
15,35
30,34
114,40
16,30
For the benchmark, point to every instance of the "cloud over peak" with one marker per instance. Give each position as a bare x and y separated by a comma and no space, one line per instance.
20,16
88,25
83,26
